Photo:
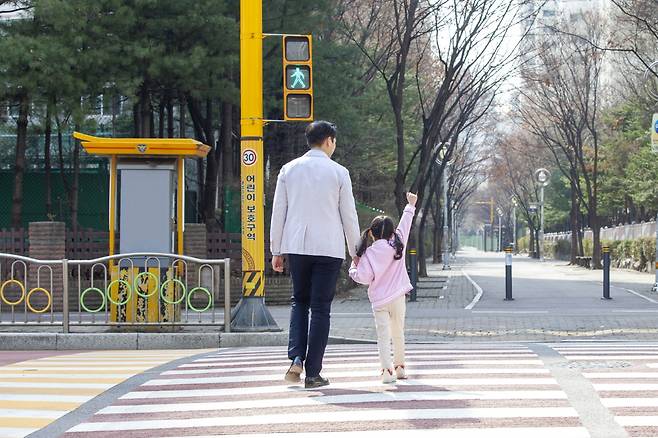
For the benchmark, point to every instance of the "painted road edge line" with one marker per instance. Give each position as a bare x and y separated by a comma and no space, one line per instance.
477,287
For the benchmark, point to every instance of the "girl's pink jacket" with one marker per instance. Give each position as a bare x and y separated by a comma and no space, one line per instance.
386,277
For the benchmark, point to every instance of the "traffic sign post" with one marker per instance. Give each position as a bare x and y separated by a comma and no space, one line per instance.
654,149
251,314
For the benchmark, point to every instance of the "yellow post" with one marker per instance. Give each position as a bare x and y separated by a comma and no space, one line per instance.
180,204
251,146
251,313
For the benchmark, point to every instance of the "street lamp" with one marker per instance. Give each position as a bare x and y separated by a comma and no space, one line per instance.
500,228
542,176
444,192
514,205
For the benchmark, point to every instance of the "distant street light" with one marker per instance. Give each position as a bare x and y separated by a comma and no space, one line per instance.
542,176
514,204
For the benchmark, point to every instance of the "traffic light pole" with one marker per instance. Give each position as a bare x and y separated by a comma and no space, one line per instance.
251,314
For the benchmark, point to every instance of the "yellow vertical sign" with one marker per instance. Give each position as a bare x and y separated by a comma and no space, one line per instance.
251,147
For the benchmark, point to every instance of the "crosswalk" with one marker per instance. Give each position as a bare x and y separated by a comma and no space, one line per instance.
465,391
625,376
36,392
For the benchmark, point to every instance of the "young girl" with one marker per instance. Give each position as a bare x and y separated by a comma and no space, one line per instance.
381,267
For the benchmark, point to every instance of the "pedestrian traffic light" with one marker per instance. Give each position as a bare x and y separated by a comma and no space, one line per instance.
297,78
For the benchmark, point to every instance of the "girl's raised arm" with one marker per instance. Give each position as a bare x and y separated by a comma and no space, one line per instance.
405,223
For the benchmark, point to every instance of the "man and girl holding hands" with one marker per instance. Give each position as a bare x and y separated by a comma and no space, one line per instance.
313,215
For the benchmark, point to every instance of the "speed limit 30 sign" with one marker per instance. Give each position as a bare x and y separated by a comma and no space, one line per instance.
249,157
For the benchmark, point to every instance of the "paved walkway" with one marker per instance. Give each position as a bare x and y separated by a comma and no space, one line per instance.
552,301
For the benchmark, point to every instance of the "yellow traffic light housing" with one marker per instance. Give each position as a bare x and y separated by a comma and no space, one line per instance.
297,78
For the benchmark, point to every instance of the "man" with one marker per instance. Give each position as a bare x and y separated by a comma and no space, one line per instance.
312,216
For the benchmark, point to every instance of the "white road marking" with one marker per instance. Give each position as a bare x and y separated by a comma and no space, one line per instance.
322,417
494,432
477,287
367,366
338,399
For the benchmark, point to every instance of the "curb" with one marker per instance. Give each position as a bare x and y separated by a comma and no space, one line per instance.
150,341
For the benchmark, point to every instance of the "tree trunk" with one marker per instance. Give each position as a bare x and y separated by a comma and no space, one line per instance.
436,242
400,199
182,130
19,164
596,241
210,192
161,118
145,112
574,225
226,157
76,183
170,116
47,159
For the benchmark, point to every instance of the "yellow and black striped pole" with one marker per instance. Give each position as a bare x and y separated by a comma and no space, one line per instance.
251,314
413,266
606,273
508,274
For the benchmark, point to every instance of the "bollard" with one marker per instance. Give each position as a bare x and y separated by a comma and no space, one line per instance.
606,273
413,262
508,274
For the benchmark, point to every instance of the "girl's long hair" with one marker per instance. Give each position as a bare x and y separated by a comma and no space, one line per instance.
382,227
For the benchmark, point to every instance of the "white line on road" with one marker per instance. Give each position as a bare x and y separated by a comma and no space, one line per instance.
464,354
493,432
477,287
359,366
625,387
332,417
636,293
622,375
637,420
631,402
336,399
512,311
286,363
16,432
369,384
436,382
337,374
45,398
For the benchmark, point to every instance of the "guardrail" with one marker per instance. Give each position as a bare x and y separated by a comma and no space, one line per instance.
136,289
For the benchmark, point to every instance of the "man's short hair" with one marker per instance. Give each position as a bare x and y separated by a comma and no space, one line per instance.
317,132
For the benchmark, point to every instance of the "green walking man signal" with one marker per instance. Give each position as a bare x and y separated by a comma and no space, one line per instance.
297,78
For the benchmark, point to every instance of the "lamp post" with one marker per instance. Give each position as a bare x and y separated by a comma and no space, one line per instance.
514,204
652,90
500,229
542,177
444,240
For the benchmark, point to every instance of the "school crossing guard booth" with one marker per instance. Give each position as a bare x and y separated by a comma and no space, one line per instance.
146,208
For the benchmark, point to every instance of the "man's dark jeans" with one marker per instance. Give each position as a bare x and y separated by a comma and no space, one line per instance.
314,285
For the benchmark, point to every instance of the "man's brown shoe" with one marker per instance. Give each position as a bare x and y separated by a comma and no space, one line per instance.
295,371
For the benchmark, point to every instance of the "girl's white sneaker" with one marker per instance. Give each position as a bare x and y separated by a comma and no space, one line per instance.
400,372
388,376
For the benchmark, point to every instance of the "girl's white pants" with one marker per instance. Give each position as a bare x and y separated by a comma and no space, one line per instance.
389,320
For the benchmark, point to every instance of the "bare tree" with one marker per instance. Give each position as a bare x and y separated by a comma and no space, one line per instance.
561,105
